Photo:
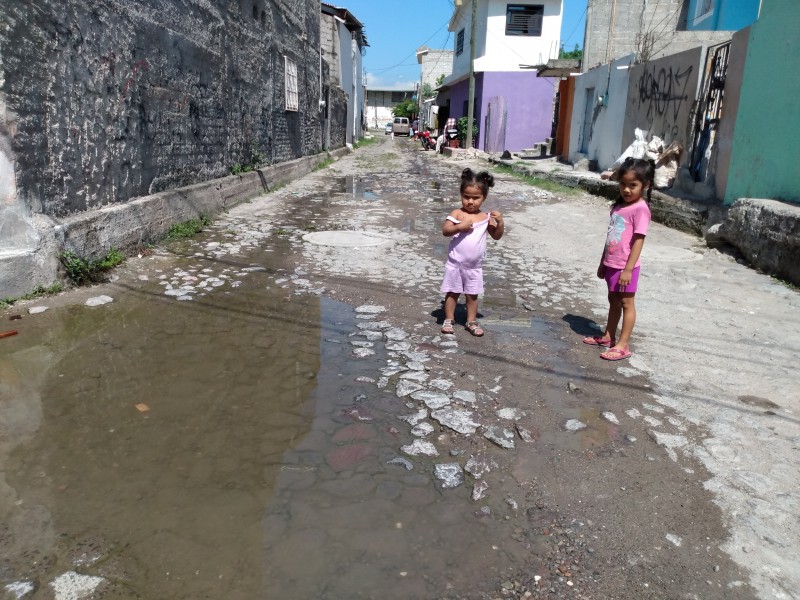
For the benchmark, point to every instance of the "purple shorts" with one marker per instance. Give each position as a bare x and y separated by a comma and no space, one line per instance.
612,279
462,281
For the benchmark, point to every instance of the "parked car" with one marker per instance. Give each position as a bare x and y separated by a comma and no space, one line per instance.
401,126
388,129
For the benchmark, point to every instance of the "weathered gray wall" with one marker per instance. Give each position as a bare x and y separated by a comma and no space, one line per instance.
661,96
108,100
615,28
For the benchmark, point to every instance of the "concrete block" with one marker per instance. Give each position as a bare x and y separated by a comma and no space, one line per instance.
767,233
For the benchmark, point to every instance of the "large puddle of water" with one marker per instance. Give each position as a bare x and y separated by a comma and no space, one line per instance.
225,448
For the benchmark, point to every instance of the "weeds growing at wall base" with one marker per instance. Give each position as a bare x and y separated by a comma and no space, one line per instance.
82,271
545,184
188,228
40,292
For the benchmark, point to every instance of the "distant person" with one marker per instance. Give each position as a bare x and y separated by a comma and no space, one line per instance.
468,226
619,264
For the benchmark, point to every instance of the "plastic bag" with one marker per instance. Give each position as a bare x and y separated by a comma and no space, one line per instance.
637,149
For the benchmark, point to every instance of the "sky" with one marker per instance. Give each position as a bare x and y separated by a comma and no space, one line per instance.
395,29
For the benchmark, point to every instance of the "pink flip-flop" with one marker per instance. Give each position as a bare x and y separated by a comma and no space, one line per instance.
596,340
616,354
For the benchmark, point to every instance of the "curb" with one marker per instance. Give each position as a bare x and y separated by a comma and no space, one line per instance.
678,213
138,221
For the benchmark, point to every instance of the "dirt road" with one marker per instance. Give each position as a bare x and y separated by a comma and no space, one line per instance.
268,410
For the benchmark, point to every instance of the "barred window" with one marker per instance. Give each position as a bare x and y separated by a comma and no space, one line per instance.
460,42
398,96
524,19
292,101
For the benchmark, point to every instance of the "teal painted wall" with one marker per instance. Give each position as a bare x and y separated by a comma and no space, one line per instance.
726,15
764,155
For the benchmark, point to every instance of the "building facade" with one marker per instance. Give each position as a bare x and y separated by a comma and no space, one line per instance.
513,107
342,45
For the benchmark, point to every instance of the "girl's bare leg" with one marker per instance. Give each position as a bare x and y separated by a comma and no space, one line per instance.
628,319
450,301
614,315
472,307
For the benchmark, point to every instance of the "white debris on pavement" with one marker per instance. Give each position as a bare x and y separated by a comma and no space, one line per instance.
98,300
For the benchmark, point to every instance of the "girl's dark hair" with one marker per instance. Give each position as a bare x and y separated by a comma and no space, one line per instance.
484,180
643,169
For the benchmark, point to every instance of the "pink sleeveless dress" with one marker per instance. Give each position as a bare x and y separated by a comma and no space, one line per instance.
463,271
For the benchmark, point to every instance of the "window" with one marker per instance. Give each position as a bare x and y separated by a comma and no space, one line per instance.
702,10
292,102
523,19
398,96
460,42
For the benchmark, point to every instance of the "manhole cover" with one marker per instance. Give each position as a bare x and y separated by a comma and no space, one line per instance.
346,239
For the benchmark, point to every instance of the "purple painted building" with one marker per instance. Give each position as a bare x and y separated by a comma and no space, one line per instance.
513,107
513,111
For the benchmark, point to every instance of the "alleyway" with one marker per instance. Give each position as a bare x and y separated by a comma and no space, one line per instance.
268,410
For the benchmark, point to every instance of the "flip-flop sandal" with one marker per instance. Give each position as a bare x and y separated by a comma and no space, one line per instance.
598,341
616,354
474,328
447,326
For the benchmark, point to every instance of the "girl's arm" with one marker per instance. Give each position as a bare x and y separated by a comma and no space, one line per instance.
637,244
455,223
496,225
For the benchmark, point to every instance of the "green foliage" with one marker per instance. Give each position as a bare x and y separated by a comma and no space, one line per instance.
462,128
407,108
38,292
440,80
365,142
545,184
575,54
188,228
427,91
322,164
257,158
82,271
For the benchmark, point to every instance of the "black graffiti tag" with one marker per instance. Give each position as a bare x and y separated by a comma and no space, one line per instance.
664,90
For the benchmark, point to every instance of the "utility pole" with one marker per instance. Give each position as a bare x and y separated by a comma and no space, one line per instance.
471,101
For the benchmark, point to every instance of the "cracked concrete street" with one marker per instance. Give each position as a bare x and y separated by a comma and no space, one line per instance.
268,410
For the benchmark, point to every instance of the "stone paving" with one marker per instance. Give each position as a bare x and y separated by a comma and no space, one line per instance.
461,432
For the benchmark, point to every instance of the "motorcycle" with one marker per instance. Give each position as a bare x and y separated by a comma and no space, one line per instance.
428,143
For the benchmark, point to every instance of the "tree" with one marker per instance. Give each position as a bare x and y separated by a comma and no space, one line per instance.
440,80
574,54
427,91
406,108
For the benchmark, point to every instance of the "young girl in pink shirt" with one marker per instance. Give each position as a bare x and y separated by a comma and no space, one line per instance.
619,265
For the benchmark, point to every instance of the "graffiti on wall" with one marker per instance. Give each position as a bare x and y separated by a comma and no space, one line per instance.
664,90
661,97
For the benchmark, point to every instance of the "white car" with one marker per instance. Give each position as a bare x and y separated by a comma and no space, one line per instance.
387,129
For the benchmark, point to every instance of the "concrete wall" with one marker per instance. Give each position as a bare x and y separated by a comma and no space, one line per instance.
115,100
733,86
529,103
765,137
721,15
330,47
615,28
380,104
602,136
434,64
661,95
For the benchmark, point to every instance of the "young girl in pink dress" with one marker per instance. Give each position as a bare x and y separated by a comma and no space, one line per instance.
468,226
619,264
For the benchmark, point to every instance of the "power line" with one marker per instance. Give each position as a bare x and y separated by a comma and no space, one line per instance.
569,37
414,53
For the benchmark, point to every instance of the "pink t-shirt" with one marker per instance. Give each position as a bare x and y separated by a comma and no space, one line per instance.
626,219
